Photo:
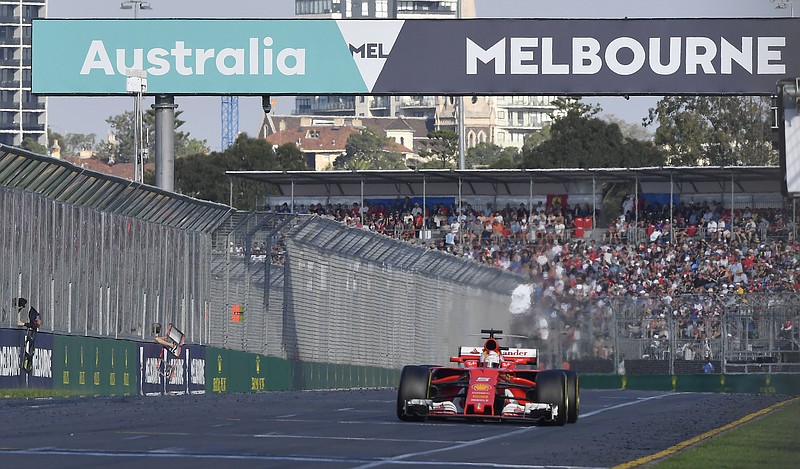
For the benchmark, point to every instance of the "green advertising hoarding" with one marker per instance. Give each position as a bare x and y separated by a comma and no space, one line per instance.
94,366
234,371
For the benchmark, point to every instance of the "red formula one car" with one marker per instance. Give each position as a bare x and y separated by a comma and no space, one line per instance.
489,384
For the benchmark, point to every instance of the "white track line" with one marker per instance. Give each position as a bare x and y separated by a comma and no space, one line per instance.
400,460
402,457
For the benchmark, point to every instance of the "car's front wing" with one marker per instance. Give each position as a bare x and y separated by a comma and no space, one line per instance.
529,411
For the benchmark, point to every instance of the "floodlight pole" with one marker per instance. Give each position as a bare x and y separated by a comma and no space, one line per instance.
136,84
135,5
461,127
165,121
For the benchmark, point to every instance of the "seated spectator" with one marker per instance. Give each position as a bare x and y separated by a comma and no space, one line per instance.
559,229
655,234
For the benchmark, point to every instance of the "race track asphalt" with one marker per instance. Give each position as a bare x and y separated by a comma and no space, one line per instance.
345,429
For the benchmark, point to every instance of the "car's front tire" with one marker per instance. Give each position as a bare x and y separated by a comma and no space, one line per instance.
573,396
551,388
414,382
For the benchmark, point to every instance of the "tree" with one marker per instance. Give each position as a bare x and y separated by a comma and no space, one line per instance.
32,145
505,163
253,154
195,147
629,130
535,139
120,147
203,175
714,130
73,144
441,148
580,141
290,157
487,154
573,107
368,150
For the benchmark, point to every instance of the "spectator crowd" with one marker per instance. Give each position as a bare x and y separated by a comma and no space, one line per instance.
644,254
649,253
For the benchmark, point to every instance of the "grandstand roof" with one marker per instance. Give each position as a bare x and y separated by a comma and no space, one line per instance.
518,182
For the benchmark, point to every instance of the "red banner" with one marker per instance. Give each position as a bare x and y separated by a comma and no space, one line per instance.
557,200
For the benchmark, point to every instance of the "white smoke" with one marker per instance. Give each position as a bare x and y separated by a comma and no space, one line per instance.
521,299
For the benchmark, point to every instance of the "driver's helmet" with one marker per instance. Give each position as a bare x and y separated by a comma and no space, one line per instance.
492,360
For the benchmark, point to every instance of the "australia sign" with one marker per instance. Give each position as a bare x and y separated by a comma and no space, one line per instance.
479,56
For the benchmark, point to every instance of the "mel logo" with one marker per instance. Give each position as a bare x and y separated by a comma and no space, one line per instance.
370,50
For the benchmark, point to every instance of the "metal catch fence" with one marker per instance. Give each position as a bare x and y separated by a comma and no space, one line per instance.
99,274
731,333
343,295
98,255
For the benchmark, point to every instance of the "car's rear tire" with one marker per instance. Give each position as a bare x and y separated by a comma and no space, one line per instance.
414,382
573,396
551,388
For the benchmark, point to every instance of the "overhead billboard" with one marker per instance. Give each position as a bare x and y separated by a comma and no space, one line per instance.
478,56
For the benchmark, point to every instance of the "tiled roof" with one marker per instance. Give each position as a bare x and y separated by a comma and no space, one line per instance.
314,138
124,170
323,138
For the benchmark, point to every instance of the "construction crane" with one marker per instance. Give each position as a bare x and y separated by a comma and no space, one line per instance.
230,120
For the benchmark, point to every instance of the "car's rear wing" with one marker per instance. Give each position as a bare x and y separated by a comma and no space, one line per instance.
519,356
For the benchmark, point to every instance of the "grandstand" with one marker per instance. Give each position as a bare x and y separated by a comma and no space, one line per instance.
666,272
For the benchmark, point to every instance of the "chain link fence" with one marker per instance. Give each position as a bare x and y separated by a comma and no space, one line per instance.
687,334
344,295
99,274
99,255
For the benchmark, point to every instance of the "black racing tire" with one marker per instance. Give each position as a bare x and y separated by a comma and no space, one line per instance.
414,382
573,396
551,388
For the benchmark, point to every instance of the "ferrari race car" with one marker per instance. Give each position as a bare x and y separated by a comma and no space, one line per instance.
489,384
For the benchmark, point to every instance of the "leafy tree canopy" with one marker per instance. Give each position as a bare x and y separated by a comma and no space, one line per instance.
628,129
366,149
34,146
441,148
579,140
72,144
714,130
203,176
487,154
120,149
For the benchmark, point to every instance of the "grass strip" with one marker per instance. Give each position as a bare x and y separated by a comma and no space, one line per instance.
37,393
767,438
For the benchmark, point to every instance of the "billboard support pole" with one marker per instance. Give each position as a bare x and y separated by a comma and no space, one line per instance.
165,141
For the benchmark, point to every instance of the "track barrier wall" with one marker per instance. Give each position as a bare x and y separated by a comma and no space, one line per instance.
11,374
757,383
90,366
94,366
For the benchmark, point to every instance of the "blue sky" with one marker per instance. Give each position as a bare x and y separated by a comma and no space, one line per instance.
202,114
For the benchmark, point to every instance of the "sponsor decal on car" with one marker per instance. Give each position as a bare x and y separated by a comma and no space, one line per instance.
481,387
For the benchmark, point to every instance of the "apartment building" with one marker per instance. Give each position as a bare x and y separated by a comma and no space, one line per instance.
22,115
